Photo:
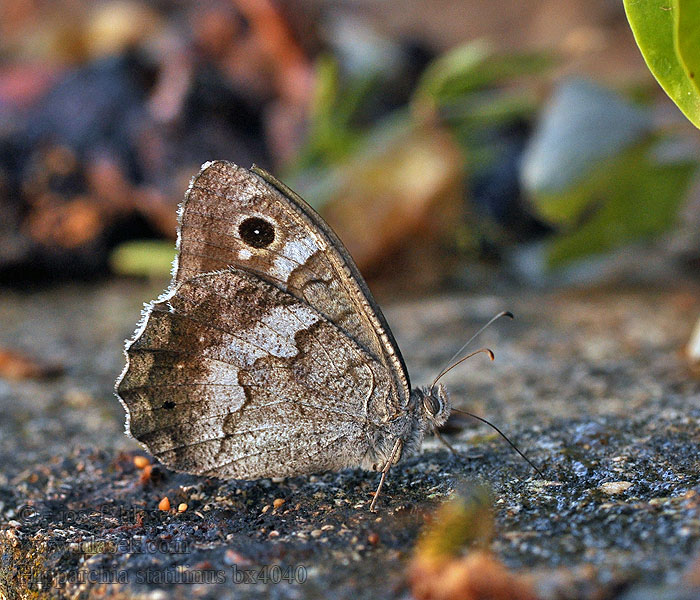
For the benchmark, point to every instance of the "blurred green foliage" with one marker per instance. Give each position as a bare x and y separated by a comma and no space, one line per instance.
464,86
332,133
592,170
143,258
630,197
473,67
472,89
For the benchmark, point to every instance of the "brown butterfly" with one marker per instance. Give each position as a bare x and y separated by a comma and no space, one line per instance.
267,356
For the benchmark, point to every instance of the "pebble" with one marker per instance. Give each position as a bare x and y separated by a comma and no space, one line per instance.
141,462
277,502
146,473
614,487
233,557
164,504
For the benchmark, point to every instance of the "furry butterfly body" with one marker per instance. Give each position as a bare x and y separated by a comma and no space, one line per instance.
267,356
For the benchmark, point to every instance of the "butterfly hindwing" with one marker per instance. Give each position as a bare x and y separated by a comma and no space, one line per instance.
233,377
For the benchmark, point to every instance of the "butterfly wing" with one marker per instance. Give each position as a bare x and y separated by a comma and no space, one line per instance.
231,376
248,219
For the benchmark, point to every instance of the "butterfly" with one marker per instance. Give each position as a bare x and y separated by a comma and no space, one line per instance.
267,356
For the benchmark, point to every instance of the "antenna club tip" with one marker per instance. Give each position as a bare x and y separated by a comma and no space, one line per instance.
492,356
507,313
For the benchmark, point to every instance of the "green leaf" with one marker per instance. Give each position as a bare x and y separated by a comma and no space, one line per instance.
688,38
666,32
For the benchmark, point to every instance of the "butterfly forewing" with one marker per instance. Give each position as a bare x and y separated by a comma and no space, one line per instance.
235,217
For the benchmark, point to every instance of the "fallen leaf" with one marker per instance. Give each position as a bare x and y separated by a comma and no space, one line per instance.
439,572
15,365
476,576
404,189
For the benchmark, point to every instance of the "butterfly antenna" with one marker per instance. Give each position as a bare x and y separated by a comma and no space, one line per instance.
504,436
459,362
449,364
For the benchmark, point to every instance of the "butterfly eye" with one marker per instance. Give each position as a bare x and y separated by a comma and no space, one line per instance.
432,404
257,232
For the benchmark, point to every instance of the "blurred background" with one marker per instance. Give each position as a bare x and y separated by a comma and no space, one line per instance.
451,144
494,155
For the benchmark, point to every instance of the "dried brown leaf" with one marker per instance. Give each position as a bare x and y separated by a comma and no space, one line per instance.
15,365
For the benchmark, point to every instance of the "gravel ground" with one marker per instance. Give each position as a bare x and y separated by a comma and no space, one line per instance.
592,385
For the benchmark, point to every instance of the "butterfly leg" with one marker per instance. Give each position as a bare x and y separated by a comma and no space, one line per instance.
444,441
398,444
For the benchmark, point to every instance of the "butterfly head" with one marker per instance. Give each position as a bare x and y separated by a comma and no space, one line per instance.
436,404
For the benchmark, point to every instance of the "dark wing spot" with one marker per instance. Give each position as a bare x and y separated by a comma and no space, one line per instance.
169,404
257,232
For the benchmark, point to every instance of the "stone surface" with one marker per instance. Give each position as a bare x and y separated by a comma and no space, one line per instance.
591,385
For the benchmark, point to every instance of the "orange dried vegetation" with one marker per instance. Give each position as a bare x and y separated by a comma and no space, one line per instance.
439,571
